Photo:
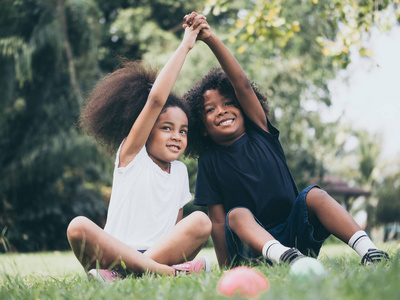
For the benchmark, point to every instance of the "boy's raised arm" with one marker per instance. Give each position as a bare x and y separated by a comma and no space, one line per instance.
244,92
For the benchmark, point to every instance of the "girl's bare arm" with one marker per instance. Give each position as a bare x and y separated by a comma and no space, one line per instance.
159,93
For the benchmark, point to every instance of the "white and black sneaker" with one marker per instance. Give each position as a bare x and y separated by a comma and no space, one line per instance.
374,256
290,256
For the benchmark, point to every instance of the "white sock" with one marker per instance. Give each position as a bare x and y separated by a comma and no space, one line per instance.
360,242
273,250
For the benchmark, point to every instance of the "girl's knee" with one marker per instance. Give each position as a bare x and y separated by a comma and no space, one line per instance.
77,227
201,222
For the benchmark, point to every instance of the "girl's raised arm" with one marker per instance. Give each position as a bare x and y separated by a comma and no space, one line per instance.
159,93
243,89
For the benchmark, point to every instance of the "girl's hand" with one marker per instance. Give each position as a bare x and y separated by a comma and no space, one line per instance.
193,31
194,20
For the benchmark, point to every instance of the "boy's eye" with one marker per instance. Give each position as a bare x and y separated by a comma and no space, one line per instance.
208,110
229,103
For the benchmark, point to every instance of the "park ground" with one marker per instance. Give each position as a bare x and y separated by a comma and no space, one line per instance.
58,275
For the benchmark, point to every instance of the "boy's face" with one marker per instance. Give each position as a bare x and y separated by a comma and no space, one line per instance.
223,120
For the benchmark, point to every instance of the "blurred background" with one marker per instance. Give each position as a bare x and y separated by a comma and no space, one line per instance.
319,62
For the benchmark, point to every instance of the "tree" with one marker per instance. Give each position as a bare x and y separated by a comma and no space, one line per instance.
388,208
49,171
337,24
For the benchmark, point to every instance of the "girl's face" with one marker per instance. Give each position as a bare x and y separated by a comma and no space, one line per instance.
222,119
168,138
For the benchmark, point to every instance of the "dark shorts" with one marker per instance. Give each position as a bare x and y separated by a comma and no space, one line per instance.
296,232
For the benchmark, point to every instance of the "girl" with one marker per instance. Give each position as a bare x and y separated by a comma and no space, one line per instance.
145,231
244,180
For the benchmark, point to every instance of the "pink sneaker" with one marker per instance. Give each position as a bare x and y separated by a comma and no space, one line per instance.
197,266
104,275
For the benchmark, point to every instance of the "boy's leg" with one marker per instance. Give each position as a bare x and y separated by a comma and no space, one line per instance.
254,240
184,241
90,243
242,222
323,208
326,210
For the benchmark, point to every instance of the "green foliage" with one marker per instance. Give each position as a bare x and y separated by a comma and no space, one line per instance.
48,187
369,148
337,25
50,173
388,208
132,28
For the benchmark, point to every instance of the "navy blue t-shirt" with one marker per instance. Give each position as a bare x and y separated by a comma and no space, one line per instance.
252,172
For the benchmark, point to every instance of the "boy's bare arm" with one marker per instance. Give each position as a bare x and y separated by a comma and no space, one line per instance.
244,92
217,217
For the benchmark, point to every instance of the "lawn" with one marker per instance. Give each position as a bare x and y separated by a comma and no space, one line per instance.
58,275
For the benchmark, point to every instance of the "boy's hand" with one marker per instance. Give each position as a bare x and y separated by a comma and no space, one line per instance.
194,20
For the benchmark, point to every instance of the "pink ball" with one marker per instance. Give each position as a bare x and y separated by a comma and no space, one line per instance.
245,281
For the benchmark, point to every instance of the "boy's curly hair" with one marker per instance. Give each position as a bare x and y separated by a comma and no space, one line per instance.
215,79
117,100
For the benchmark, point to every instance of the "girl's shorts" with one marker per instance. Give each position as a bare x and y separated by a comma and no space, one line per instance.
296,232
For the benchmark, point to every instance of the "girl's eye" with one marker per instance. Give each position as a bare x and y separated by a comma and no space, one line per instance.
166,128
228,103
183,131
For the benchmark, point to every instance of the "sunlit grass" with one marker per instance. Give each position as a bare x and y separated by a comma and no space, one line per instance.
58,275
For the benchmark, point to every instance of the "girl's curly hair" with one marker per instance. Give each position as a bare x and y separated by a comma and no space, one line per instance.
117,100
215,79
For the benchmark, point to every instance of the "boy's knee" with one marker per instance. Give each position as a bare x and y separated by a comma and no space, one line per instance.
316,194
236,215
77,227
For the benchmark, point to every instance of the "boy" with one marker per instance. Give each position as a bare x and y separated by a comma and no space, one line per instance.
244,180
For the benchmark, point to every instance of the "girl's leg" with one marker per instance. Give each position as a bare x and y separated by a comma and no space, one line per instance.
90,243
323,208
183,242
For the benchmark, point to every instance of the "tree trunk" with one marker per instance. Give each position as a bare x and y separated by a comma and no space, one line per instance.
68,51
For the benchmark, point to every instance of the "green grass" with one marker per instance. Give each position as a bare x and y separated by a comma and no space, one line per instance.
58,275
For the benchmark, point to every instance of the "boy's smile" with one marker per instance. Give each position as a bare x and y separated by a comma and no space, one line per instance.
227,122
223,120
